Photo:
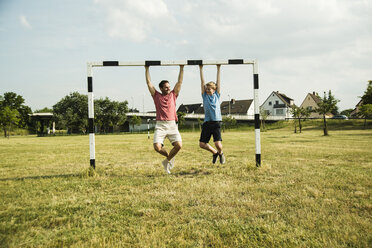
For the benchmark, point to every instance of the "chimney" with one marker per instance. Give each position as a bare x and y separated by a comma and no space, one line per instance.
232,101
314,93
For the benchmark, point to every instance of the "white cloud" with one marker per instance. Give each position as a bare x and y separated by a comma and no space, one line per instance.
301,46
135,20
24,22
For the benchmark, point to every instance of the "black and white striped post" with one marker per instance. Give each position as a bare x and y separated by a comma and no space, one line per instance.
172,63
148,128
91,118
256,115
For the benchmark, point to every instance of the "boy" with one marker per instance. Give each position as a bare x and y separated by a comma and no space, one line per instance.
213,119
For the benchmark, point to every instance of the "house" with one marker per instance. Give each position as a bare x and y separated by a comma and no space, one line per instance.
237,107
196,108
311,103
278,104
233,107
356,111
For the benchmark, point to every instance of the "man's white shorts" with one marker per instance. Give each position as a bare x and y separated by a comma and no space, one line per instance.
166,129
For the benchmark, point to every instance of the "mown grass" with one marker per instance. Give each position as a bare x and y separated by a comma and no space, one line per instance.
311,191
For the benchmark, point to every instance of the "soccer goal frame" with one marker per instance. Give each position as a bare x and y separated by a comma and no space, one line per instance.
173,63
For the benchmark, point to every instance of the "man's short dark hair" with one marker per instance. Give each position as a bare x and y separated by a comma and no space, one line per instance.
161,84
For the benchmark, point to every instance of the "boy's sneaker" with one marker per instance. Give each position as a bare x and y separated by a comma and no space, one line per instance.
214,158
171,163
166,166
222,158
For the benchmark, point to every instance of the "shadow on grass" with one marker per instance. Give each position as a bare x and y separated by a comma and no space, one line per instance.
40,177
191,173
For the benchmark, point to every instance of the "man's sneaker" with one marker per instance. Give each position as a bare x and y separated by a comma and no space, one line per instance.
172,162
166,166
214,158
222,158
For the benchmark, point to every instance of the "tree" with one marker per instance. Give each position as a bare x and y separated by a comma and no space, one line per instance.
44,110
109,113
335,111
133,110
12,100
367,97
366,112
181,118
326,105
8,118
229,121
72,112
200,123
135,121
346,112
16,102
122,109
299,113
263,114
365,108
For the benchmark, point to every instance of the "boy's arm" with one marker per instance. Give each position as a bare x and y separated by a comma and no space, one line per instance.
148,81
202,79
177,87
218,80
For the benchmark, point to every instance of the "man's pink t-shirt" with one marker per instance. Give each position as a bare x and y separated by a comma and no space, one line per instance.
165,106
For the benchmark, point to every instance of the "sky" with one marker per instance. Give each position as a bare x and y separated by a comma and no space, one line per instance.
301,46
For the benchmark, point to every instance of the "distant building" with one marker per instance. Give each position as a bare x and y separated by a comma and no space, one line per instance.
45,119
356,111
233,107
278,104
196,108
237,107
311,103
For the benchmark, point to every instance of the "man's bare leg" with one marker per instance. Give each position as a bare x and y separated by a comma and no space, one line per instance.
176,148
160,149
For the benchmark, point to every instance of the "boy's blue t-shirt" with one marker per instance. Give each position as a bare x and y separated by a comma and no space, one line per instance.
212,109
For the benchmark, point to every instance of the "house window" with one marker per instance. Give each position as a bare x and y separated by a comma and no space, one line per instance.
269,103
276,102
279,111
310,108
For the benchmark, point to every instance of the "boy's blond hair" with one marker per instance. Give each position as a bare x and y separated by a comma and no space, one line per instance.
212,85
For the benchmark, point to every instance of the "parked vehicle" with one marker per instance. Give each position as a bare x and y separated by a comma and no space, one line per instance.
342,117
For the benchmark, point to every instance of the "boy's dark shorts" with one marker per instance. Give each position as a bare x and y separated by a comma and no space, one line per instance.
210,128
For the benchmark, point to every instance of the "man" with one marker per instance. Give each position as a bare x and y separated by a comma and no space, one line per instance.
166,118
213,118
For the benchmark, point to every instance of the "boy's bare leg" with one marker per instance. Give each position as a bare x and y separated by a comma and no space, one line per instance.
207,147
218,145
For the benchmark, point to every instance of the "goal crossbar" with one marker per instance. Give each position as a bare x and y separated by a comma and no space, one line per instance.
171,63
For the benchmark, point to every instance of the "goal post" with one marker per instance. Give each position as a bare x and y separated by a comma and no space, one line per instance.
90,66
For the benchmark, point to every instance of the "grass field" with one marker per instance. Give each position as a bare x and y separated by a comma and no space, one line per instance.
311,191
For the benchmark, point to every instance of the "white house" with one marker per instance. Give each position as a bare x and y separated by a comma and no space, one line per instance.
278,104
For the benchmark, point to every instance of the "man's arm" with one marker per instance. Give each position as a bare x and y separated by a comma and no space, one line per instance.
177,87
148,81
202,79
218,80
